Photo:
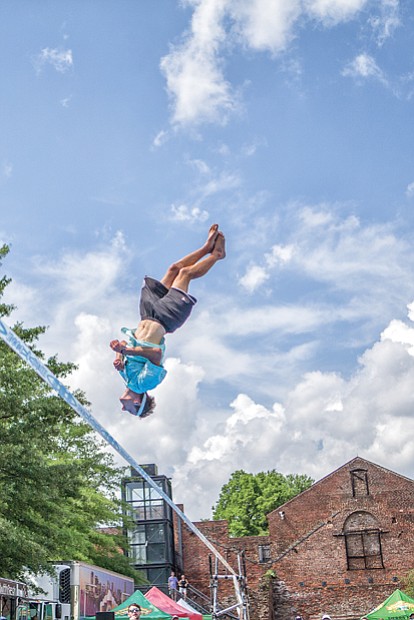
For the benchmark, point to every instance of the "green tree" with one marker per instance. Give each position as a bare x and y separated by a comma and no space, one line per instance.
57,483
407,583
246,499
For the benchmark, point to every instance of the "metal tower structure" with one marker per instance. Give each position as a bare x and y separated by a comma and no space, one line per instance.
215,577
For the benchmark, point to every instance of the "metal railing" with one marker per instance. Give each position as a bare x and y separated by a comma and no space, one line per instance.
203,603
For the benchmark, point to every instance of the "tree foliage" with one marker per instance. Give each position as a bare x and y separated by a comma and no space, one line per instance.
407,583
246,499
57,484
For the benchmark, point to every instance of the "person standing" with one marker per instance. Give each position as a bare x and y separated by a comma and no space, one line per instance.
172,586
182,587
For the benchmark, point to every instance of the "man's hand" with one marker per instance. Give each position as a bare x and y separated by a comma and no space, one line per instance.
117,346
119,364
154,354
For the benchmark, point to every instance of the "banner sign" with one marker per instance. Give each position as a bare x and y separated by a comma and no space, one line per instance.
13,589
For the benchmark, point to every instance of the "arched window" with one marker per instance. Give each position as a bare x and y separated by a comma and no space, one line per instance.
363,541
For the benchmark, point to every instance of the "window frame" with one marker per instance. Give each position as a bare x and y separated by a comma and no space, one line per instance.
264,553
365,557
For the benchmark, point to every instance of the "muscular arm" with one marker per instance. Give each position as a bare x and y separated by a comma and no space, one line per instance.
153,354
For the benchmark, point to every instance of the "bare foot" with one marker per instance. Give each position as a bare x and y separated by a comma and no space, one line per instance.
219,250
211,238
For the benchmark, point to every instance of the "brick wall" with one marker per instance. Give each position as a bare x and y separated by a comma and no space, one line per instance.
308,545
197,563
311,573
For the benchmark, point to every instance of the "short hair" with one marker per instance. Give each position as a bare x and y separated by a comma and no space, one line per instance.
149,407
134,605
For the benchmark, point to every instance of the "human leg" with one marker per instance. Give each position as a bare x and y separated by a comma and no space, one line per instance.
192,258
172,307
187,273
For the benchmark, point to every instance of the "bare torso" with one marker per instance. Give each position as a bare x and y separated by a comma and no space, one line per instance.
149,331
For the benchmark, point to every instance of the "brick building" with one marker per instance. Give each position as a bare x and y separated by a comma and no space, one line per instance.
340,547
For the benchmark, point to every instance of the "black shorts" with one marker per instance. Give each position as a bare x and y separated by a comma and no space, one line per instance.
170,307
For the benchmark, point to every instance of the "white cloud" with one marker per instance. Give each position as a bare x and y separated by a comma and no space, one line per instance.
324,421
200,166
59,59
208,184
238,430
332,12
223,150
411,311
409,192
338,250
266,25
279,255
194,77
364,66
161,138
87,277
221,183
184,213
245,399
65,102
397,331
387,21
24,297
254,277
404,86
209,337
6,170
195,68
341,253
248,150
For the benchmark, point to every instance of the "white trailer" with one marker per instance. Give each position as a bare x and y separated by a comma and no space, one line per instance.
76,591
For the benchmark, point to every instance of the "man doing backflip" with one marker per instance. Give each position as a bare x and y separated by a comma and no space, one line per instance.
164,306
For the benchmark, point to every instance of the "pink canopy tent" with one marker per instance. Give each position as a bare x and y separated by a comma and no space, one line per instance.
165,603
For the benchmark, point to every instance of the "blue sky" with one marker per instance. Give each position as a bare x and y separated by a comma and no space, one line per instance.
127,128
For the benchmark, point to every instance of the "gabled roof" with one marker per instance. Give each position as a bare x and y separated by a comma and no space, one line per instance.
357,460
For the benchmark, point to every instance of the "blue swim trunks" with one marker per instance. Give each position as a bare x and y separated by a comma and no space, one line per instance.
169,307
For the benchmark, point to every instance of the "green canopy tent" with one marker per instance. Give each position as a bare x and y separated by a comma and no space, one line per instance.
148,609
396,606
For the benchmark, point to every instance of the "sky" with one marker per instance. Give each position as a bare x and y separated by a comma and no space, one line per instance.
128,128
